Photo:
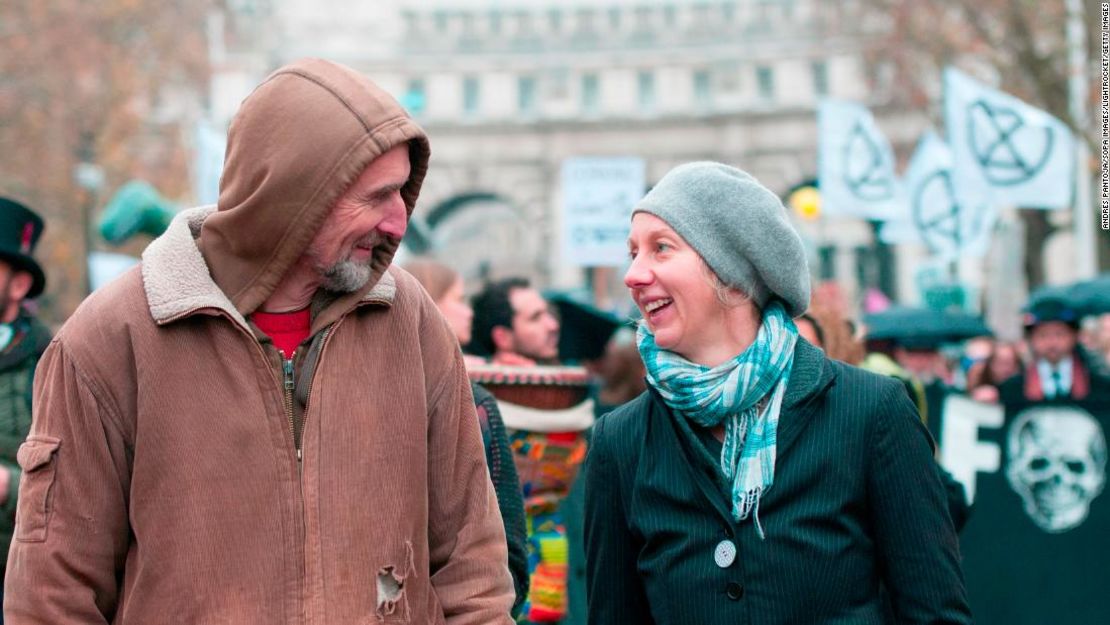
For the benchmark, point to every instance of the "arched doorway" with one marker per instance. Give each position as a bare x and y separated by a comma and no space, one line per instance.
480,234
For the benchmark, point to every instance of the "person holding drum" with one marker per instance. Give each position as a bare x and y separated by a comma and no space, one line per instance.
447,290
755,479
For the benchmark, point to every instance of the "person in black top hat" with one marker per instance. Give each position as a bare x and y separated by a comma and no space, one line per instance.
1058,370
22,340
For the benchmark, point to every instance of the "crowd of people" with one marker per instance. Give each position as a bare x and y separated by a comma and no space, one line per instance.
269,421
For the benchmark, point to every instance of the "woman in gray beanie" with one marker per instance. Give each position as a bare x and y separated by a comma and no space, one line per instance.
755,480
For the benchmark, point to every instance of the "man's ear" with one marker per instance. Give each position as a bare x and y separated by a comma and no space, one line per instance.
502,339
19,286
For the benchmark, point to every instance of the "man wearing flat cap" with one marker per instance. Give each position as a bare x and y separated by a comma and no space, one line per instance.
22,340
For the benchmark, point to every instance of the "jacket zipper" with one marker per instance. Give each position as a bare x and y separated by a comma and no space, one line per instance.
298,444
288,392
289,385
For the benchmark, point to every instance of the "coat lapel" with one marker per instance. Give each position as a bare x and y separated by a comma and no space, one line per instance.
811,376
695,458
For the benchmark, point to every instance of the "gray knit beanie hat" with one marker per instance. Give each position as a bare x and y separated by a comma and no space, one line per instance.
738,226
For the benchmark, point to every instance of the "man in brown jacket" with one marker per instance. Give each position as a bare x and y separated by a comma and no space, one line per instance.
265,422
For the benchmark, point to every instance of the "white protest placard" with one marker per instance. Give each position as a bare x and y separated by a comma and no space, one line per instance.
598,196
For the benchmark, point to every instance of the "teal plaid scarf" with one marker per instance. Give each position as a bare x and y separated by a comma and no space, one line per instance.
732,392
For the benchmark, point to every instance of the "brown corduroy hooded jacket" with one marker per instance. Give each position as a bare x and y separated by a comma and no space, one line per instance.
162,483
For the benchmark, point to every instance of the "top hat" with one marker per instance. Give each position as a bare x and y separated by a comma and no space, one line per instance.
1049,309
20,229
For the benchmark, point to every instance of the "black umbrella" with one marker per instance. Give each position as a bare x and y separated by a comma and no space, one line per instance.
923,328
1092,297
1052,293
584,329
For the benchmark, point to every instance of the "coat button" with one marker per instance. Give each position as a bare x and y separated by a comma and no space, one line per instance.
734,590
725,554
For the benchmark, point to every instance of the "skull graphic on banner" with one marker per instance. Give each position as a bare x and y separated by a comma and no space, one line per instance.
1057,464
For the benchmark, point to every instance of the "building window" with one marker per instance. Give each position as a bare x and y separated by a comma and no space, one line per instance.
670,15
821,78
866,274
645,82
523,23
615,18
585,19
495,22
440,19
467,21
591,97
826,262
412,22
765,77
471,94
526,94
703,91
555,18
414,99
728,11
702,15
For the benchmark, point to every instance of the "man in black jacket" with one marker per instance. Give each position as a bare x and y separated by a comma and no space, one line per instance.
22,340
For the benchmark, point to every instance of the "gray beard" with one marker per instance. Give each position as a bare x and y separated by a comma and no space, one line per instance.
347,276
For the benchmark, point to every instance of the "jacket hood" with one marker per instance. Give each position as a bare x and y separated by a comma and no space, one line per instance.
296,145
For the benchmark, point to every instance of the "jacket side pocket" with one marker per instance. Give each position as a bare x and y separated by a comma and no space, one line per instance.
36,458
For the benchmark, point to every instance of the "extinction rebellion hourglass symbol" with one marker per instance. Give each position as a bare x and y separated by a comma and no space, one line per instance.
937,212
1008,151
865,172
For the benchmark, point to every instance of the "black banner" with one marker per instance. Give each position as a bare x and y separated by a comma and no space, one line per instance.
1037,547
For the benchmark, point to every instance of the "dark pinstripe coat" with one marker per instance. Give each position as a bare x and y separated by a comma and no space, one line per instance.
856,501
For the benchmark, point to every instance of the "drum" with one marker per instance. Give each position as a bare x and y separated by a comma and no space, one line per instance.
545,410
541,388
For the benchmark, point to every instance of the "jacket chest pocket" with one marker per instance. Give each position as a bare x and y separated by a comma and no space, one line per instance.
36,458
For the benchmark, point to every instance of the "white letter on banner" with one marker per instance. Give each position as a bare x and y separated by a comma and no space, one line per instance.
962,453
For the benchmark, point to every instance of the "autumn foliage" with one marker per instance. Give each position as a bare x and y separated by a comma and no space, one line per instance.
116,83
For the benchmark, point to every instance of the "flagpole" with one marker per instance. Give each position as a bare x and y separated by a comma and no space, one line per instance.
1086,261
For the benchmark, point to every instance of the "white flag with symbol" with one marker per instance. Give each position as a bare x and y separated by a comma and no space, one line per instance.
1008,151
951,222
855,164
